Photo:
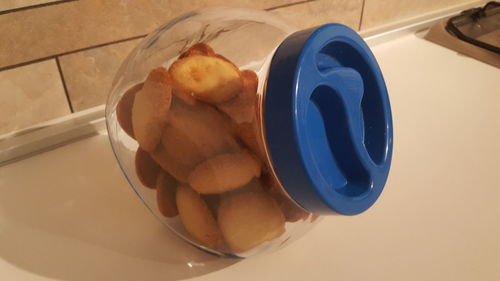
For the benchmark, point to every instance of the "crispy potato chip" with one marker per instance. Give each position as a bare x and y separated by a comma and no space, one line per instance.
150,109
224,172
197,218
249,219
146,168
209,78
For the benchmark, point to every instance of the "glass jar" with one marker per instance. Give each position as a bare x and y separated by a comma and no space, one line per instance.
238,132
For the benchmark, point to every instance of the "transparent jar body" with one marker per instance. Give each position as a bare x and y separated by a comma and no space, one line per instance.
193,149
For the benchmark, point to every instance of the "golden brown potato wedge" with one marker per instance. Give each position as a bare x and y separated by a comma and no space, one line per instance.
242,107
124,109
150,109
204,126
146,168
225,172
178,170
198,49
208,78
249,219
166,187
197,218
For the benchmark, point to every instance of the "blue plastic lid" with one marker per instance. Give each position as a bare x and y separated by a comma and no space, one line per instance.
328,122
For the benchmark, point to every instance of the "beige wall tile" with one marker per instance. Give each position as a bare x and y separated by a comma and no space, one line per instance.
46,31
15,4
379,12
315,13
31,94
89,74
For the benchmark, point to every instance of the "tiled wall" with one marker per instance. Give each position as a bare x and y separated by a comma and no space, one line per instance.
9,5
58,57
379,12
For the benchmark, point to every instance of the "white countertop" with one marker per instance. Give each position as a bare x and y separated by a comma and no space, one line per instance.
68,214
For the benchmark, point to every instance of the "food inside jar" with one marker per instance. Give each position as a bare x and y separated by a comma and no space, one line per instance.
201,150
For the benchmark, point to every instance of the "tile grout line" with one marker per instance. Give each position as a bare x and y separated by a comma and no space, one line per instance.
288,5
361,16
61,75
70,52
25,63
35,6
